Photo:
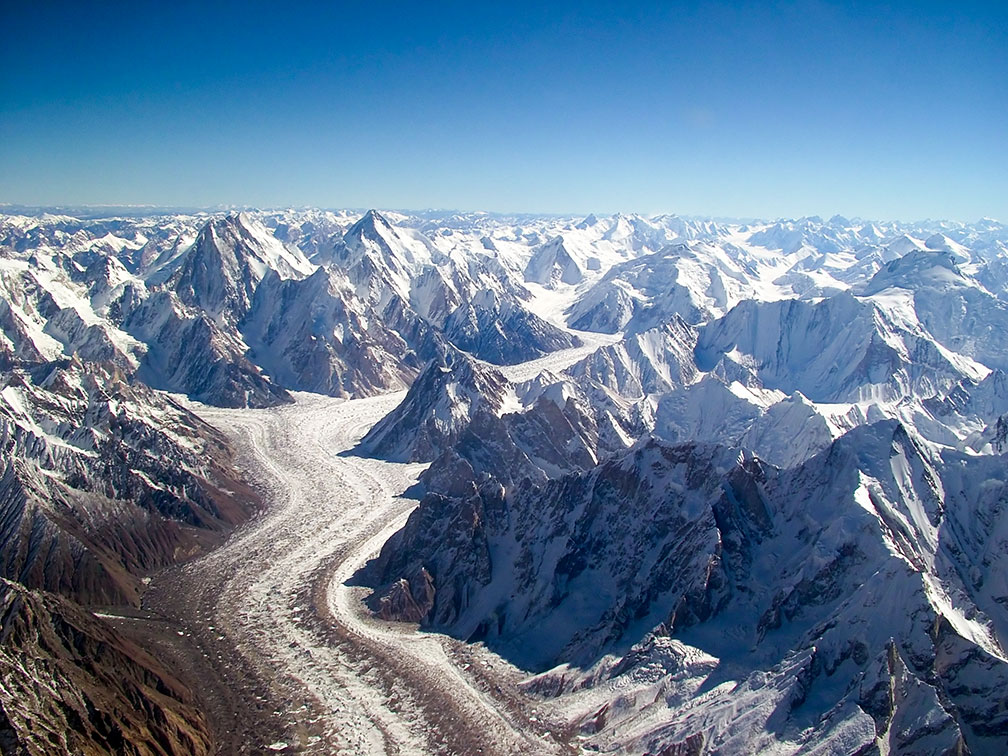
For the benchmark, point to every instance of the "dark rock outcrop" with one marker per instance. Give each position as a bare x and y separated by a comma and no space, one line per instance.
69,683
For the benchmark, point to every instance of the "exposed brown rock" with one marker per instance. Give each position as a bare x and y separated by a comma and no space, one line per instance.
408,600
69,683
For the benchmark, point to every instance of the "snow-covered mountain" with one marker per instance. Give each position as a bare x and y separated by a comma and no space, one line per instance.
315,334
682,594
228,260
955,309
105,481
470,298
726,487
647,363
552,263
694,281
223,310
871,613
438,406
835,350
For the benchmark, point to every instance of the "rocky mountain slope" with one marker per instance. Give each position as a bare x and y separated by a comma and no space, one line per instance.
223,310
105,480
891,579
69,683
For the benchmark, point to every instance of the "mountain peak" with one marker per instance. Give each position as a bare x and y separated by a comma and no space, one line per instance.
553,263
438,405
942,243
917,269
372,227
904,244
373,221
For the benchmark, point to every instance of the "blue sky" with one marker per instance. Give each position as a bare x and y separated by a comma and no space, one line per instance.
730,109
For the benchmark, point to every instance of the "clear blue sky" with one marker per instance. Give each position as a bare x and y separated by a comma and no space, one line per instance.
762,109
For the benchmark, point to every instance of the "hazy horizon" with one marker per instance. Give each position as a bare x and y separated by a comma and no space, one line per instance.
97,211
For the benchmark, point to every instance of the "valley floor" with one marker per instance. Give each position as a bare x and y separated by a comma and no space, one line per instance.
284,652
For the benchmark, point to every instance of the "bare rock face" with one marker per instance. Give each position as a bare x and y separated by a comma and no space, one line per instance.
69,683
1000,442
103,480
408,600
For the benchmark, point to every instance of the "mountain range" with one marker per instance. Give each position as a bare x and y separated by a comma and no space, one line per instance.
753,502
